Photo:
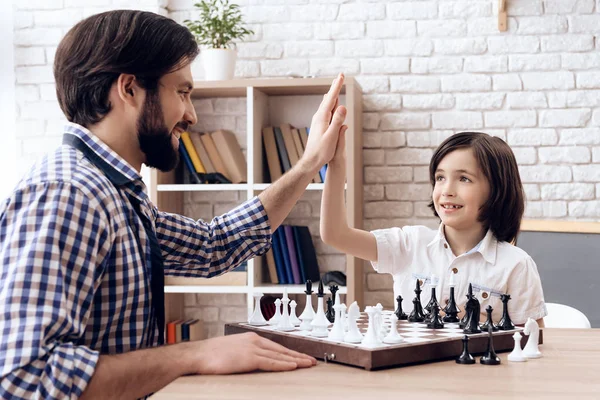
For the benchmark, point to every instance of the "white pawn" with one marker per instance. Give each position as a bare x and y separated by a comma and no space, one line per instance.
393,337
371,339
284,323
353,335
275,318
257,318
337,332
517,354
531,347
293,319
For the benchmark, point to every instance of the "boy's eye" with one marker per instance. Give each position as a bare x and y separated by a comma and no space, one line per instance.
439,178
464,179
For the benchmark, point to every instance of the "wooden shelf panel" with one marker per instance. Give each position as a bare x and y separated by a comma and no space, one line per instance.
205,289
292,289
226,187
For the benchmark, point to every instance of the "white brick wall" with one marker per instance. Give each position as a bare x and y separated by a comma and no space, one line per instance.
427,68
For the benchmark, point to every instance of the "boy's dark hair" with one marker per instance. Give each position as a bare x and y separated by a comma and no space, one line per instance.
503,211
93,54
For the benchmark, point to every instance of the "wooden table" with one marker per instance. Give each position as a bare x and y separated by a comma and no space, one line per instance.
569,369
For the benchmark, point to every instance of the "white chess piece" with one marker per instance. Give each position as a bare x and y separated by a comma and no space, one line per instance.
379,322
257,318
275,318
337,332
371,339
393,337
320,323
353,335
517,354
293,318
308,314
284,323
531,347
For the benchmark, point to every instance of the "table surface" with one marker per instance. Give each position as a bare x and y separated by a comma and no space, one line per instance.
569,368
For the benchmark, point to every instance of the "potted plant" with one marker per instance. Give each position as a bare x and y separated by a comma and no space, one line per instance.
220,23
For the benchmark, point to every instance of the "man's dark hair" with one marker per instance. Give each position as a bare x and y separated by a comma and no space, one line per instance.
93,54
503,210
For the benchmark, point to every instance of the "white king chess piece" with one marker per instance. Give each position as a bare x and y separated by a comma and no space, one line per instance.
517,354
257,318
284,323
308,314
531,348
275,318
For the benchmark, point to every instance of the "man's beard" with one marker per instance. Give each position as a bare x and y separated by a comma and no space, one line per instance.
154,136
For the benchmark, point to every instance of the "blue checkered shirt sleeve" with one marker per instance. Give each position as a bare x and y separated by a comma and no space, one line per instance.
199,249
50,233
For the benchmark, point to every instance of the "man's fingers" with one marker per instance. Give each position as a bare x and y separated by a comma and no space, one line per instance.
332,95
338,118
270,345
299,361
270,364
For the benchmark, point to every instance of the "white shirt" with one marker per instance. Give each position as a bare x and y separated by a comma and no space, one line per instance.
493,268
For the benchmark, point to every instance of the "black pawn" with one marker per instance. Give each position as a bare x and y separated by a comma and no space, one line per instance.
435,322
399,313
505,323
451,309
465,357
490,357
489,321
333,289
417,313
308,287
330,314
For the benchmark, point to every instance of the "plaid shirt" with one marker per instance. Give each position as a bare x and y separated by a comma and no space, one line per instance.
74,282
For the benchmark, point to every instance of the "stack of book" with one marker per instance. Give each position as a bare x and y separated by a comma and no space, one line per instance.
293,259
213,157
284,145
184,331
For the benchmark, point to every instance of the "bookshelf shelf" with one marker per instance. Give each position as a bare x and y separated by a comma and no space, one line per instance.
269,102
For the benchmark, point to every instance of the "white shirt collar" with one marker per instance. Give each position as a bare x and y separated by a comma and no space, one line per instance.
487,247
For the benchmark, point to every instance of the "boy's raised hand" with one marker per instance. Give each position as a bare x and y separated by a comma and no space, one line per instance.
325,127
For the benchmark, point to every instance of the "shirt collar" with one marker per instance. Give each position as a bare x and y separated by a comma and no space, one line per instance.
120,172
487,247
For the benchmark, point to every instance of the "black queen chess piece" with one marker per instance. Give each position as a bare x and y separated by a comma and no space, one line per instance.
401,315
489,322
490,357
472,309
465,357
417,313
505,323
333,289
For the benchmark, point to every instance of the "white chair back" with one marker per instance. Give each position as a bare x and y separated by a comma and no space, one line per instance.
563,316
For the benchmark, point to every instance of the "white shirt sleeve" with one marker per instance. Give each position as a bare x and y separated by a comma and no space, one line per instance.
527,296
395,249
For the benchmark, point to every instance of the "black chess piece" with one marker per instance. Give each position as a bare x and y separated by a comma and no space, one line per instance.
490,357
465,357
435,322
320,291
333,290
451,310
330,314
308,287
489,322
472,309
399,313
417,313
432,301
505,323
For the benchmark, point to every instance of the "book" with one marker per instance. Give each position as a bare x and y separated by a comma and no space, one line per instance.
171,331
270,260
289,238
304,138
283,156
231,155
191,150
272,155
187,164
278,256
214,154
307,255
292,152
196,330
204,158
287,264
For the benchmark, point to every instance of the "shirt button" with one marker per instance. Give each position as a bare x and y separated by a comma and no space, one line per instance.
447,301
484,295
455,270
445,245
420,282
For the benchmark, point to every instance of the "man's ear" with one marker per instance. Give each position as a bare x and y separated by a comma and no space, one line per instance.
128,90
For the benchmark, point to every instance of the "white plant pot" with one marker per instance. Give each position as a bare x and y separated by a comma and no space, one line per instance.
219,64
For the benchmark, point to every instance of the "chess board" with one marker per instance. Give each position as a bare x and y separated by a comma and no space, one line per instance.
420,344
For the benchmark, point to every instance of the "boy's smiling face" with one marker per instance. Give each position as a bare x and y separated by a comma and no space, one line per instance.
460,190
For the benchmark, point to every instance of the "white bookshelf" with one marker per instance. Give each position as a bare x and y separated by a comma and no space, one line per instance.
269,102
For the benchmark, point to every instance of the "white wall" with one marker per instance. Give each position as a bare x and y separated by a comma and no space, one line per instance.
8,148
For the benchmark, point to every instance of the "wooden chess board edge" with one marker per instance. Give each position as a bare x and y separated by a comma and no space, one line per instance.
379,358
